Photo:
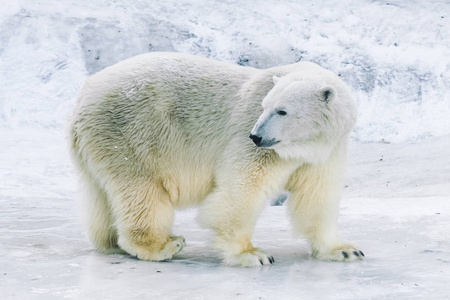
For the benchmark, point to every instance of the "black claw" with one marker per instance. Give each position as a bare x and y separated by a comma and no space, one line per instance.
362,254
261,262
356,253
271,259
345,254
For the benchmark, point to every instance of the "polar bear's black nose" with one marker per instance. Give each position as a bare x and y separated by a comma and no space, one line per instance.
256,139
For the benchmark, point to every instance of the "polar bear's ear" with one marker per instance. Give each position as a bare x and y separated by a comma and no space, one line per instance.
327,93
275,79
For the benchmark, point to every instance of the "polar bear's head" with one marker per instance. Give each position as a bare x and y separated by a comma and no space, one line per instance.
304,116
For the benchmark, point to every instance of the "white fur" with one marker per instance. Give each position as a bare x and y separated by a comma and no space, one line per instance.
166,130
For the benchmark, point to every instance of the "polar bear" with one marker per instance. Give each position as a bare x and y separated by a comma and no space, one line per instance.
162,131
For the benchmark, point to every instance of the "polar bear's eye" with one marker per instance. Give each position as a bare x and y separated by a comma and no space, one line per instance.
281,112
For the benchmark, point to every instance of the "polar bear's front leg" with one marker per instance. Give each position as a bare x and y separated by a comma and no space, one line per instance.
233,217
313,206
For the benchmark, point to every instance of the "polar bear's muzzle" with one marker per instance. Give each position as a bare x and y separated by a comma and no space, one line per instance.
263,134
260,142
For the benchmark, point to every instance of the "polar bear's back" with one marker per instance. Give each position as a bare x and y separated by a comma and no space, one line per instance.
165,69
191,94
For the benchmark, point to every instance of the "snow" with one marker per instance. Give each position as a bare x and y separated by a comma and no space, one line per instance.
396,200
393,54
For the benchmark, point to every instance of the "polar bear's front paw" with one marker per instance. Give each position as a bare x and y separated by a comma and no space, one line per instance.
255,257
342,253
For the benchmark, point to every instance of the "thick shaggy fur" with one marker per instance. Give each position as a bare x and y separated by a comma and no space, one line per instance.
166,130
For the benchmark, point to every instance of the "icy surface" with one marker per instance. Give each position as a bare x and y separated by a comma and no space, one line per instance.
396,209
396,200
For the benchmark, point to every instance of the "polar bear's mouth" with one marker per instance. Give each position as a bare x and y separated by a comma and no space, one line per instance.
268,144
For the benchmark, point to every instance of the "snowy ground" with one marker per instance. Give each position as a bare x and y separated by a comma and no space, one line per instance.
396,202
396,207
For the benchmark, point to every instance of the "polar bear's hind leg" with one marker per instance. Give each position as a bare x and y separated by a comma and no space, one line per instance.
144,221
98,217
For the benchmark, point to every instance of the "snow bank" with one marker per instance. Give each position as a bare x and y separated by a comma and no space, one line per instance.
394,55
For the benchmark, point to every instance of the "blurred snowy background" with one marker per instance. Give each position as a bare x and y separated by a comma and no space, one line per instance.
395,56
